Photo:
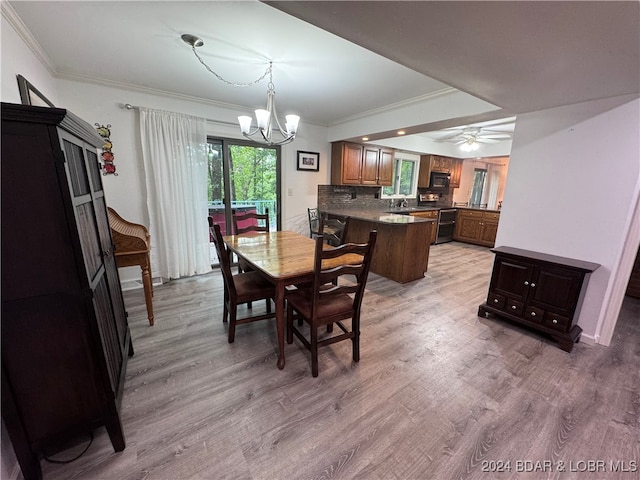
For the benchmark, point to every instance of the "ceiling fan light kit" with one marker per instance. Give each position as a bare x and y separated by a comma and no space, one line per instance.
268,130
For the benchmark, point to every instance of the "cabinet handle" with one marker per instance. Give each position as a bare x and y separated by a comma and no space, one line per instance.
526,283
533,314
554,321
533,285
495,300
513,307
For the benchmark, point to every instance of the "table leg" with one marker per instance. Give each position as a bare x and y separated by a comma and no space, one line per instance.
280,327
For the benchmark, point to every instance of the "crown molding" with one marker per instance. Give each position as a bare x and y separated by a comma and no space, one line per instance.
394,106
23,32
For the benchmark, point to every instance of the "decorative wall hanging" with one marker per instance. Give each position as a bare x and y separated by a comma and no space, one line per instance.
107,155
308,161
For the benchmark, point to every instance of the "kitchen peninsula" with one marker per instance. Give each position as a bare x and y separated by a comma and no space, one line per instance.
402,247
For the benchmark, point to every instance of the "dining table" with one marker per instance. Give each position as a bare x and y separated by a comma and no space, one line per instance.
284,258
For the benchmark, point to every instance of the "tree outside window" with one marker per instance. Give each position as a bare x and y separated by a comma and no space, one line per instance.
405,176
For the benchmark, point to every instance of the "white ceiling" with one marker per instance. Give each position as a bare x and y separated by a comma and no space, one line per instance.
520,56
316,74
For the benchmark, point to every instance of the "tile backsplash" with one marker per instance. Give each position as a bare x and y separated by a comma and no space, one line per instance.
366,198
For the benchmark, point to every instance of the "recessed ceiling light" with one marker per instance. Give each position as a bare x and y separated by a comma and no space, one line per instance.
364,139
401,132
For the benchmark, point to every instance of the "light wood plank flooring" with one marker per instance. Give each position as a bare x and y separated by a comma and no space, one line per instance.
439,393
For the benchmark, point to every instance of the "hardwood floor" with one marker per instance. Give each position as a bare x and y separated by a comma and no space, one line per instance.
438,393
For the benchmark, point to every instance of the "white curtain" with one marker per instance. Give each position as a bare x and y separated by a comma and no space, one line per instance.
174,151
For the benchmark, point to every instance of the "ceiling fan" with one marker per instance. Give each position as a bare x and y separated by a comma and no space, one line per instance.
470,136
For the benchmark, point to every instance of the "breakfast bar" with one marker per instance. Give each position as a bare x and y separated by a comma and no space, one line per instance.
402,248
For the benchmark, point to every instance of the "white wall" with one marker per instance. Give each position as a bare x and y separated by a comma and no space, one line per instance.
126,191
18,58
572,185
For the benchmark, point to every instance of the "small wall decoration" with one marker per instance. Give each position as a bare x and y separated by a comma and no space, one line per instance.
308,161
107,155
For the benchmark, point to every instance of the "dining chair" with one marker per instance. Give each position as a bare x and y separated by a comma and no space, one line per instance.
259,223
331,298
319,224
240,288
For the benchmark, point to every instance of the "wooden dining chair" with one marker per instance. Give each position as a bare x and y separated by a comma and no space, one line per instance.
240,288
331,298
330,229
259,223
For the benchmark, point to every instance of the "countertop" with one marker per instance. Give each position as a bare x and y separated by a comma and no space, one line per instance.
407,210
398,217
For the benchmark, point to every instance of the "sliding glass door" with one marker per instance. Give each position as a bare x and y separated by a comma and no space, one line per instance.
242,177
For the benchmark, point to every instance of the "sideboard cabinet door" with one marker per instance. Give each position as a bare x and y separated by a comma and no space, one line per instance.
540,291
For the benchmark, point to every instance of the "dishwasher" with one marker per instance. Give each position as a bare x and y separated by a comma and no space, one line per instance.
446,225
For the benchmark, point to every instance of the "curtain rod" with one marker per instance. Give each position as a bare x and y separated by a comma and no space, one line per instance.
128,106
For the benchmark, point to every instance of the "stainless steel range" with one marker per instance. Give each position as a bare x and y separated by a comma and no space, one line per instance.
446,225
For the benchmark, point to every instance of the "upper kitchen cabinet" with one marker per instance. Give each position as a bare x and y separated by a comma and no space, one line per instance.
436,163
354,164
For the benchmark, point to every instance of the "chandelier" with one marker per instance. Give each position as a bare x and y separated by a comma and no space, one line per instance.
268,130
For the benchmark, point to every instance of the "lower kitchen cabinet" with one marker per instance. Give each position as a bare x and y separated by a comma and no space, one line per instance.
476,226
433,214
540,291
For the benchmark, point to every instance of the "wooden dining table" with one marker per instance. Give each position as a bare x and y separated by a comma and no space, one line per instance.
283,258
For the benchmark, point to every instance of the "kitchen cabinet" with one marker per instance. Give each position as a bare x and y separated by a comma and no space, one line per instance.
433,214
355,164
65,338
402,249
456,172
476,226
437,163
540,291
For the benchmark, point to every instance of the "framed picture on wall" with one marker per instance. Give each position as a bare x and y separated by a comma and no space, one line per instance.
308,161
30,95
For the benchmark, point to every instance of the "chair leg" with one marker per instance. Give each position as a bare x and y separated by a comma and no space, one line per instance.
329,327
268,300
232,323
225,311
355,327
314,350
289,324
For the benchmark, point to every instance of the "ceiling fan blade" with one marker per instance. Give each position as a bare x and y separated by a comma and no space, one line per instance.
496,136
449,136
497,130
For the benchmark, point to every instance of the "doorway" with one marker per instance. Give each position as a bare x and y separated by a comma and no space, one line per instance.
243,177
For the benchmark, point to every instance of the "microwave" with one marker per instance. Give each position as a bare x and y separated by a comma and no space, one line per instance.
439,180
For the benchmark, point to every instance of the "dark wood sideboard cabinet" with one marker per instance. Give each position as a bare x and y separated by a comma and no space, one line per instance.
65,338
540,291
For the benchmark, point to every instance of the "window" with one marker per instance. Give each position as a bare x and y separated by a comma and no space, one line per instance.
479,176
405,175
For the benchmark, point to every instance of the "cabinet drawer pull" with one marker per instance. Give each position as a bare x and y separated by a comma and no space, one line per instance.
554,321
526,283
495,300
533,285
533,314
513,307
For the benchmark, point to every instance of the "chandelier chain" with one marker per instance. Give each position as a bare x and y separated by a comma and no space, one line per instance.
219,77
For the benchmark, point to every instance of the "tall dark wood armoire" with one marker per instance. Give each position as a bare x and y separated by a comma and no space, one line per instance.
65,338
